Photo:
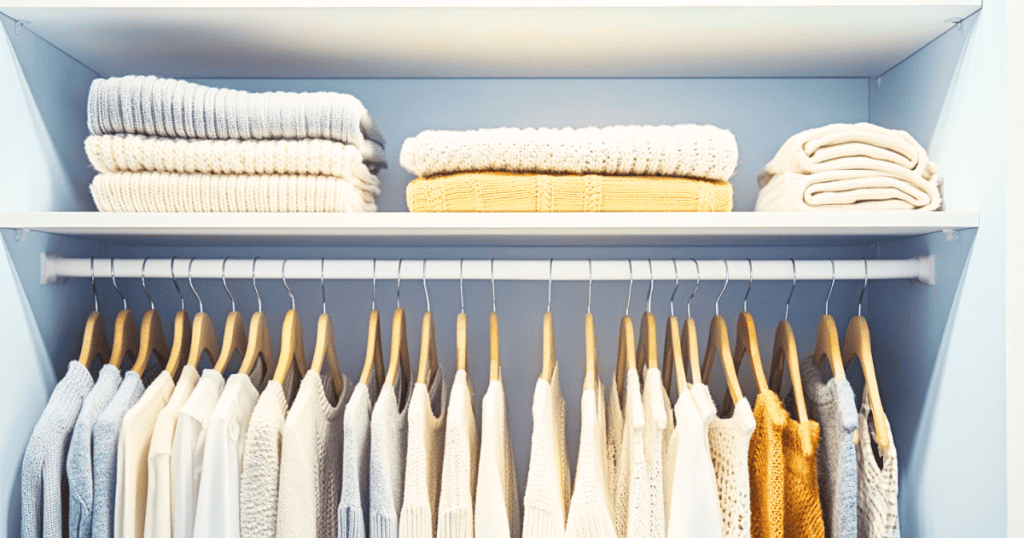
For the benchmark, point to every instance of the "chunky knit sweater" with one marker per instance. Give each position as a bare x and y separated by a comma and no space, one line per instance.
497,496
767,468
79,465
632,508
614,438
877,485
188,448
459,468
698,151
354,504
388,440
261,464
425,447
802,501
179,109
42,467
729,441
530,192
548,489
105,436
590,513
690,489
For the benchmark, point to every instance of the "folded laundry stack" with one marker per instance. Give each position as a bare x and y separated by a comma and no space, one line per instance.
844,167
163,145
621,168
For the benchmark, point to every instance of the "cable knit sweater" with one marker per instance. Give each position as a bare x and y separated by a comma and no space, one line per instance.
802,501
79,465
389,430
497,496
877,485
729,441
105,436
261,464
425,446
354,504
459,468
691,491
697,151
180,109
590,514
42,467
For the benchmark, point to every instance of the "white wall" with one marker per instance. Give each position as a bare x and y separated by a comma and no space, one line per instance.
1014,261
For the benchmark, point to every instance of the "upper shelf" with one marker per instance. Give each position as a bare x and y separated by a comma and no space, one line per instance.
489,229
690,38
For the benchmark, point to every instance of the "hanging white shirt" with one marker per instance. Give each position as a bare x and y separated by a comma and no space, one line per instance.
496,513
187,451
692,491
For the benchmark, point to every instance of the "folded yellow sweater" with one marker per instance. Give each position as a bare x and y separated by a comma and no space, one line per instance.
512,192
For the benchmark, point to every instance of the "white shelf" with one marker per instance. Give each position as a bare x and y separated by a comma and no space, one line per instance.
488,229
691,38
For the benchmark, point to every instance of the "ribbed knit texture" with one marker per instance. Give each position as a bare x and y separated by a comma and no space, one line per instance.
528,192
425,446
803,518
497,496
656,435
158,492
877,485
133,455
135,153
700,151
179,109
159,192
43,482
691,490
614,437
79,462
729,441
261,464
767,468
354,503
105,436
459,467
389,430
548,489
632,509
590,513
188,448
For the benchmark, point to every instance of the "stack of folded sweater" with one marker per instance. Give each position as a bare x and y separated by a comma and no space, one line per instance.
621,168
164,145
844,167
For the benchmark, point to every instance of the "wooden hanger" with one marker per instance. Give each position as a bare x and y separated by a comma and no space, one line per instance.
373,364
428,342
204,336
324,348
687,343
647,350
258,344
857,344
626,359
746,340
398,360
718,344
94,337
548,358
590,378
182,332
292,350
460,328
234,331
827,345
126,334
673,357
151,337
784,349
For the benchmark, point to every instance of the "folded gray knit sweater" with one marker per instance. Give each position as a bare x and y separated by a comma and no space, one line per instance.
179,109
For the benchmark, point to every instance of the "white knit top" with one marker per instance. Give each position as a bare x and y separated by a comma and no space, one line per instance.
354,504
261,464
459,468
590,513
691,490
632,488
614,436
187,451
548,489
877,485
729,441
497,496
658,427
388,440
425,446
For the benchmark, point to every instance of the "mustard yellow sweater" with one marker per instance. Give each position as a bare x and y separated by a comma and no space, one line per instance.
804,518
526,192
767,462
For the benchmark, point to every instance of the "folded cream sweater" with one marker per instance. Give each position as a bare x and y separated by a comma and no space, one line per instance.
697,151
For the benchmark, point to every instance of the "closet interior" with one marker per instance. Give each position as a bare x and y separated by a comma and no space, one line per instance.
763,72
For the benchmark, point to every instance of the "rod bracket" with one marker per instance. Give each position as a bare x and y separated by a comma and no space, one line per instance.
927,273
48,269
951,235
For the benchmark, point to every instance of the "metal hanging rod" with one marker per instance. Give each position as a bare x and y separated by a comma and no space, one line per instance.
55,268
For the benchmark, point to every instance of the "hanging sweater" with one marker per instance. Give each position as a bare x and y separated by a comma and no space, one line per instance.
132,455
767,468
691,490
158,493
42,468
311,445
459,468
187,451
388,438
590,514
354,506
614,438
79,464
497,496
802,501
261,464
877,485
656,435
427,413
729,442
632,489
217,512
548,489
105,437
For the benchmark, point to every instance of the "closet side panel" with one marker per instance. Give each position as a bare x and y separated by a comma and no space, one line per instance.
1015,260
951,96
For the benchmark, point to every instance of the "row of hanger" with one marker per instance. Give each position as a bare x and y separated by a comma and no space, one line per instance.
195,338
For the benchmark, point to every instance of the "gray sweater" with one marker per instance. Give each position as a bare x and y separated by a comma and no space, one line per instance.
105,435
42,469
79,464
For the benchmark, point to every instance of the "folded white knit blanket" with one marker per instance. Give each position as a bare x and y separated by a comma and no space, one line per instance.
150,192
180,109
848,190
693,151
136,153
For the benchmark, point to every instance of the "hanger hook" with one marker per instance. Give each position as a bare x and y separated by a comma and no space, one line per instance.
144,288
629,296
92,275
285,282
695,287
865,288
590,283
462,294
193,286
398,288
323,286
259,300
224,279
494,300
177,287
723,285
114,281
425,292
791,290
373,298
551,270
750,283
650,290
829,296
672,300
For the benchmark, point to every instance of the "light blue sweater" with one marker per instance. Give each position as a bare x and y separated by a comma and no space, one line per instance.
105,435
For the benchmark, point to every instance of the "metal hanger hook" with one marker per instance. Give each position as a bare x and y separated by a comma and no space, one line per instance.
323,286
650,290
726,263
551,270
224,280
865,288
750,283
829,296
259,300
113,280
462,293
144,288
629,296
177,288
193,286
285,282
590,283
791,290
398,287
695,287
494,300
92,275
373,298
425,292
672,300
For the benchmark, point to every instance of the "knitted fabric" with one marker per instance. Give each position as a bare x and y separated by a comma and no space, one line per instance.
188,448
614,439
261,464
105,436
389,430
729,442
158,492
548,489
354,500
590,514
459,468
848,190
79,463
427,413
135,153
158,192
767,468
179,109
656,435
691,490
43,483
632,509
497,496
526,192
803,517
877,484
700,151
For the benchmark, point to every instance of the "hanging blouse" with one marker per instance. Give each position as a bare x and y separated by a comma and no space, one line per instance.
427,411
547,482
877,483
354,504
79,463
729,441
188,448
691,490
105,436
803,517
388,439
497,497
590,514
632,488
458,472
261,464
767,468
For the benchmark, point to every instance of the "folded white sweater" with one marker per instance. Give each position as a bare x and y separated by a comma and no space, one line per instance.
694,151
